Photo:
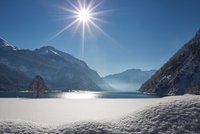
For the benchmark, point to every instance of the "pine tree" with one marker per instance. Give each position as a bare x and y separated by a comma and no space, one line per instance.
38,85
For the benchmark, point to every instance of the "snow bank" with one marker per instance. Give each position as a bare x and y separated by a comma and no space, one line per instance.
172,115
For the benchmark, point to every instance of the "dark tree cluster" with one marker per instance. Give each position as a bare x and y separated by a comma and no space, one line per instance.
38,86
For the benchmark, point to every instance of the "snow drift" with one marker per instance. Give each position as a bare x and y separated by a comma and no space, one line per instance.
179,114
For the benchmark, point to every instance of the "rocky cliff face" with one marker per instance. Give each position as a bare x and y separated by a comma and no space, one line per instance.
179,74
59,70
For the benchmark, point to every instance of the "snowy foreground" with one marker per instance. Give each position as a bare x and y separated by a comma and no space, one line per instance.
103,116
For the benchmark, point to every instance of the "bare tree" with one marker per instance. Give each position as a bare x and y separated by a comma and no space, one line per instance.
38,85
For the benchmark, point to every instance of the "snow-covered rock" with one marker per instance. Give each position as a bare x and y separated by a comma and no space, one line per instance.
173,115
6,45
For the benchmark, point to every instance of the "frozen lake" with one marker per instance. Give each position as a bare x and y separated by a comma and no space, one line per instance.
62,111
66,107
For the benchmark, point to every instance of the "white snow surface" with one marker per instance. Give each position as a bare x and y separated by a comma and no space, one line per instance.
52,52
169,115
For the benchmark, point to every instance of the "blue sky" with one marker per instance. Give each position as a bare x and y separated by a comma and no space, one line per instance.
145,33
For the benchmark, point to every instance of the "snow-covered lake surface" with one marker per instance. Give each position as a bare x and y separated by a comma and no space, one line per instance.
178,115
58,111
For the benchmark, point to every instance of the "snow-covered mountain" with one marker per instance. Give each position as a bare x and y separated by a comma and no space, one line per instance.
12,79
6,45
180,75
128,80
59,69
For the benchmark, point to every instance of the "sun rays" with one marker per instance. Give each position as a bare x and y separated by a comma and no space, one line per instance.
84,16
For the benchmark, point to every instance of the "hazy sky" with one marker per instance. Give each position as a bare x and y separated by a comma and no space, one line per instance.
145,33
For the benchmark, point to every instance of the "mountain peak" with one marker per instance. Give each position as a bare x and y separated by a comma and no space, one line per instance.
198,33
197,36
5,44
45,50
133,70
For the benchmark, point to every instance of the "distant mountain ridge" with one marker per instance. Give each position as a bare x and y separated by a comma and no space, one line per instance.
130,79
180,75
58,69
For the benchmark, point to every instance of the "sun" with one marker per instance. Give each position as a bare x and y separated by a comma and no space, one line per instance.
84,15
